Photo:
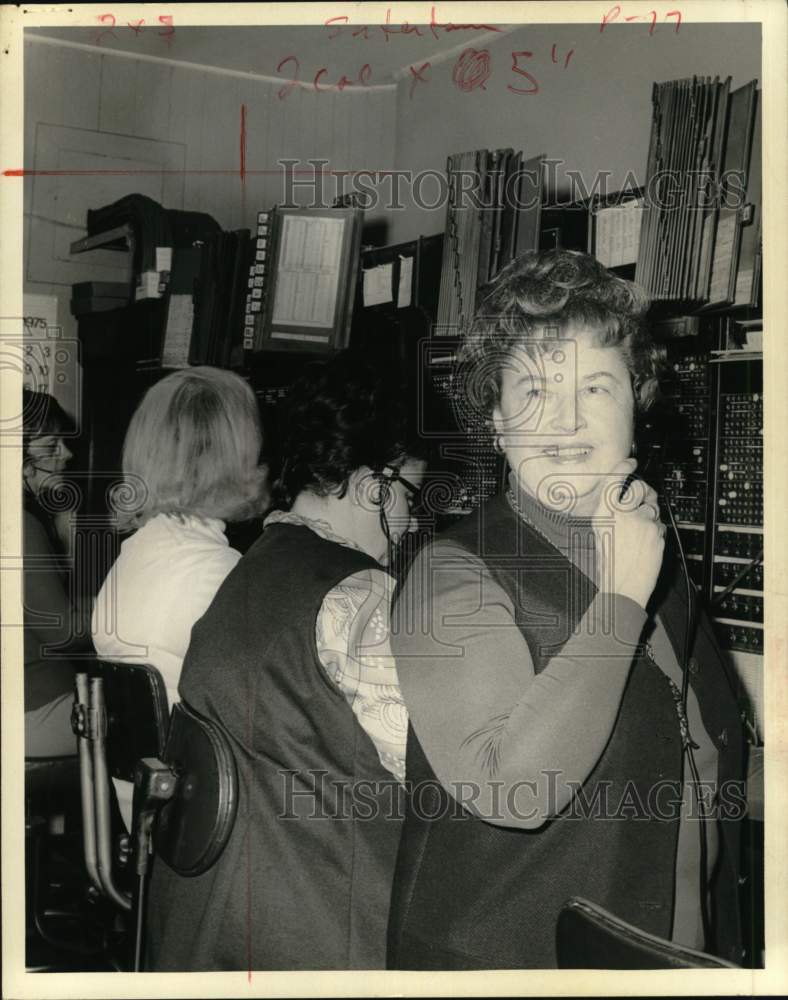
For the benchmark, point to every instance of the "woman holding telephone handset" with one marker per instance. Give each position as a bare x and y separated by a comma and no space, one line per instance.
564,741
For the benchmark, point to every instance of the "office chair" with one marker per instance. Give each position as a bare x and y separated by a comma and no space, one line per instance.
590,937
64,925
184,774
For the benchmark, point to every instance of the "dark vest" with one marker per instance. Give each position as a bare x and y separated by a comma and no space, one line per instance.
46,677
471,895
301,883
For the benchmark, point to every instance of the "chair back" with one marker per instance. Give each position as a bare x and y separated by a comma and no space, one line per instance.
195,824
120,713
590,937
137,713
184,774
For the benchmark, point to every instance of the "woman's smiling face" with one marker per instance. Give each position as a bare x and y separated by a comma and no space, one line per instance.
566,419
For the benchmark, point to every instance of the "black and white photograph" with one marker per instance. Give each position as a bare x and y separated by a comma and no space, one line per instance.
393,466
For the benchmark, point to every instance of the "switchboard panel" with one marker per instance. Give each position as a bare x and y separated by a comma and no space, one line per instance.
736,572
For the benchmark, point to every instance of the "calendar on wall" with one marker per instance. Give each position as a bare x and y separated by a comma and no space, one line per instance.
49,359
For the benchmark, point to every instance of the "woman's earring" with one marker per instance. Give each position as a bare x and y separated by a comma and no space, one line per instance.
633,451
498,444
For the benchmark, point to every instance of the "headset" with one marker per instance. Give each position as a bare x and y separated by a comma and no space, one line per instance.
385,477
46,486
29,462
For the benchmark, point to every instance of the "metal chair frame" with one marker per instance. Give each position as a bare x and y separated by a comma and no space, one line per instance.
156,782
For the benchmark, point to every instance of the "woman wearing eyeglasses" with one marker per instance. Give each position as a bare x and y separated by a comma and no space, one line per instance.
52,630
292,659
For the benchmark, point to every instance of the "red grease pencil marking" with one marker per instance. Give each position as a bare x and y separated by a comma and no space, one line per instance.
234,171
248,848
472,69
248,902
418,76
243,143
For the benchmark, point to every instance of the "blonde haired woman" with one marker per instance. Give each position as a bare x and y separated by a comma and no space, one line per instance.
191,461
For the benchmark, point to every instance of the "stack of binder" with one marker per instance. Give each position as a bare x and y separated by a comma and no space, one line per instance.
492,216
696,193
220,297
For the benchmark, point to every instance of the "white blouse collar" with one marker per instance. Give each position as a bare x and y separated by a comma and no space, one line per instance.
320,527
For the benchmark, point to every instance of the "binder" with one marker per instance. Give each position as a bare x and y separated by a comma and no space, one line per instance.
738,146
529,211
711,163
749,269
697,248
480,241
508,227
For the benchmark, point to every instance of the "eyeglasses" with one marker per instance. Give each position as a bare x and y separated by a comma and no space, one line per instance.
415,492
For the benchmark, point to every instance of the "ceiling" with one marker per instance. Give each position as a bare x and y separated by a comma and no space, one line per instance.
262,49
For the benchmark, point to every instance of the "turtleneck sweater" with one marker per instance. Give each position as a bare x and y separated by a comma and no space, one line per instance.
485,718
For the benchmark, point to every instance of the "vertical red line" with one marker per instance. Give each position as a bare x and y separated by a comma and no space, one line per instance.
248,824
248,909
243,143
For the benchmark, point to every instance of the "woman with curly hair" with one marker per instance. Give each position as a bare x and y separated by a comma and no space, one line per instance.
564,713
292,660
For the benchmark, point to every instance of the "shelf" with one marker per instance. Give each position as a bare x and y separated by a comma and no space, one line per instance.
108,240
723,356
741,529
718,588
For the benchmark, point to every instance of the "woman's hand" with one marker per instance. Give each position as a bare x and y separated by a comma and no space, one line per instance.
631,545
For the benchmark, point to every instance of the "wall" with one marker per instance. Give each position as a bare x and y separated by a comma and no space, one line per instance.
86,108
594,114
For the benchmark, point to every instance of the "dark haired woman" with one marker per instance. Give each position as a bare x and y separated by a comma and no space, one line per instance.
548,707
51,630
292,659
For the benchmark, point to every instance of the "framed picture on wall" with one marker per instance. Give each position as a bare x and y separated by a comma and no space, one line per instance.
313,268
